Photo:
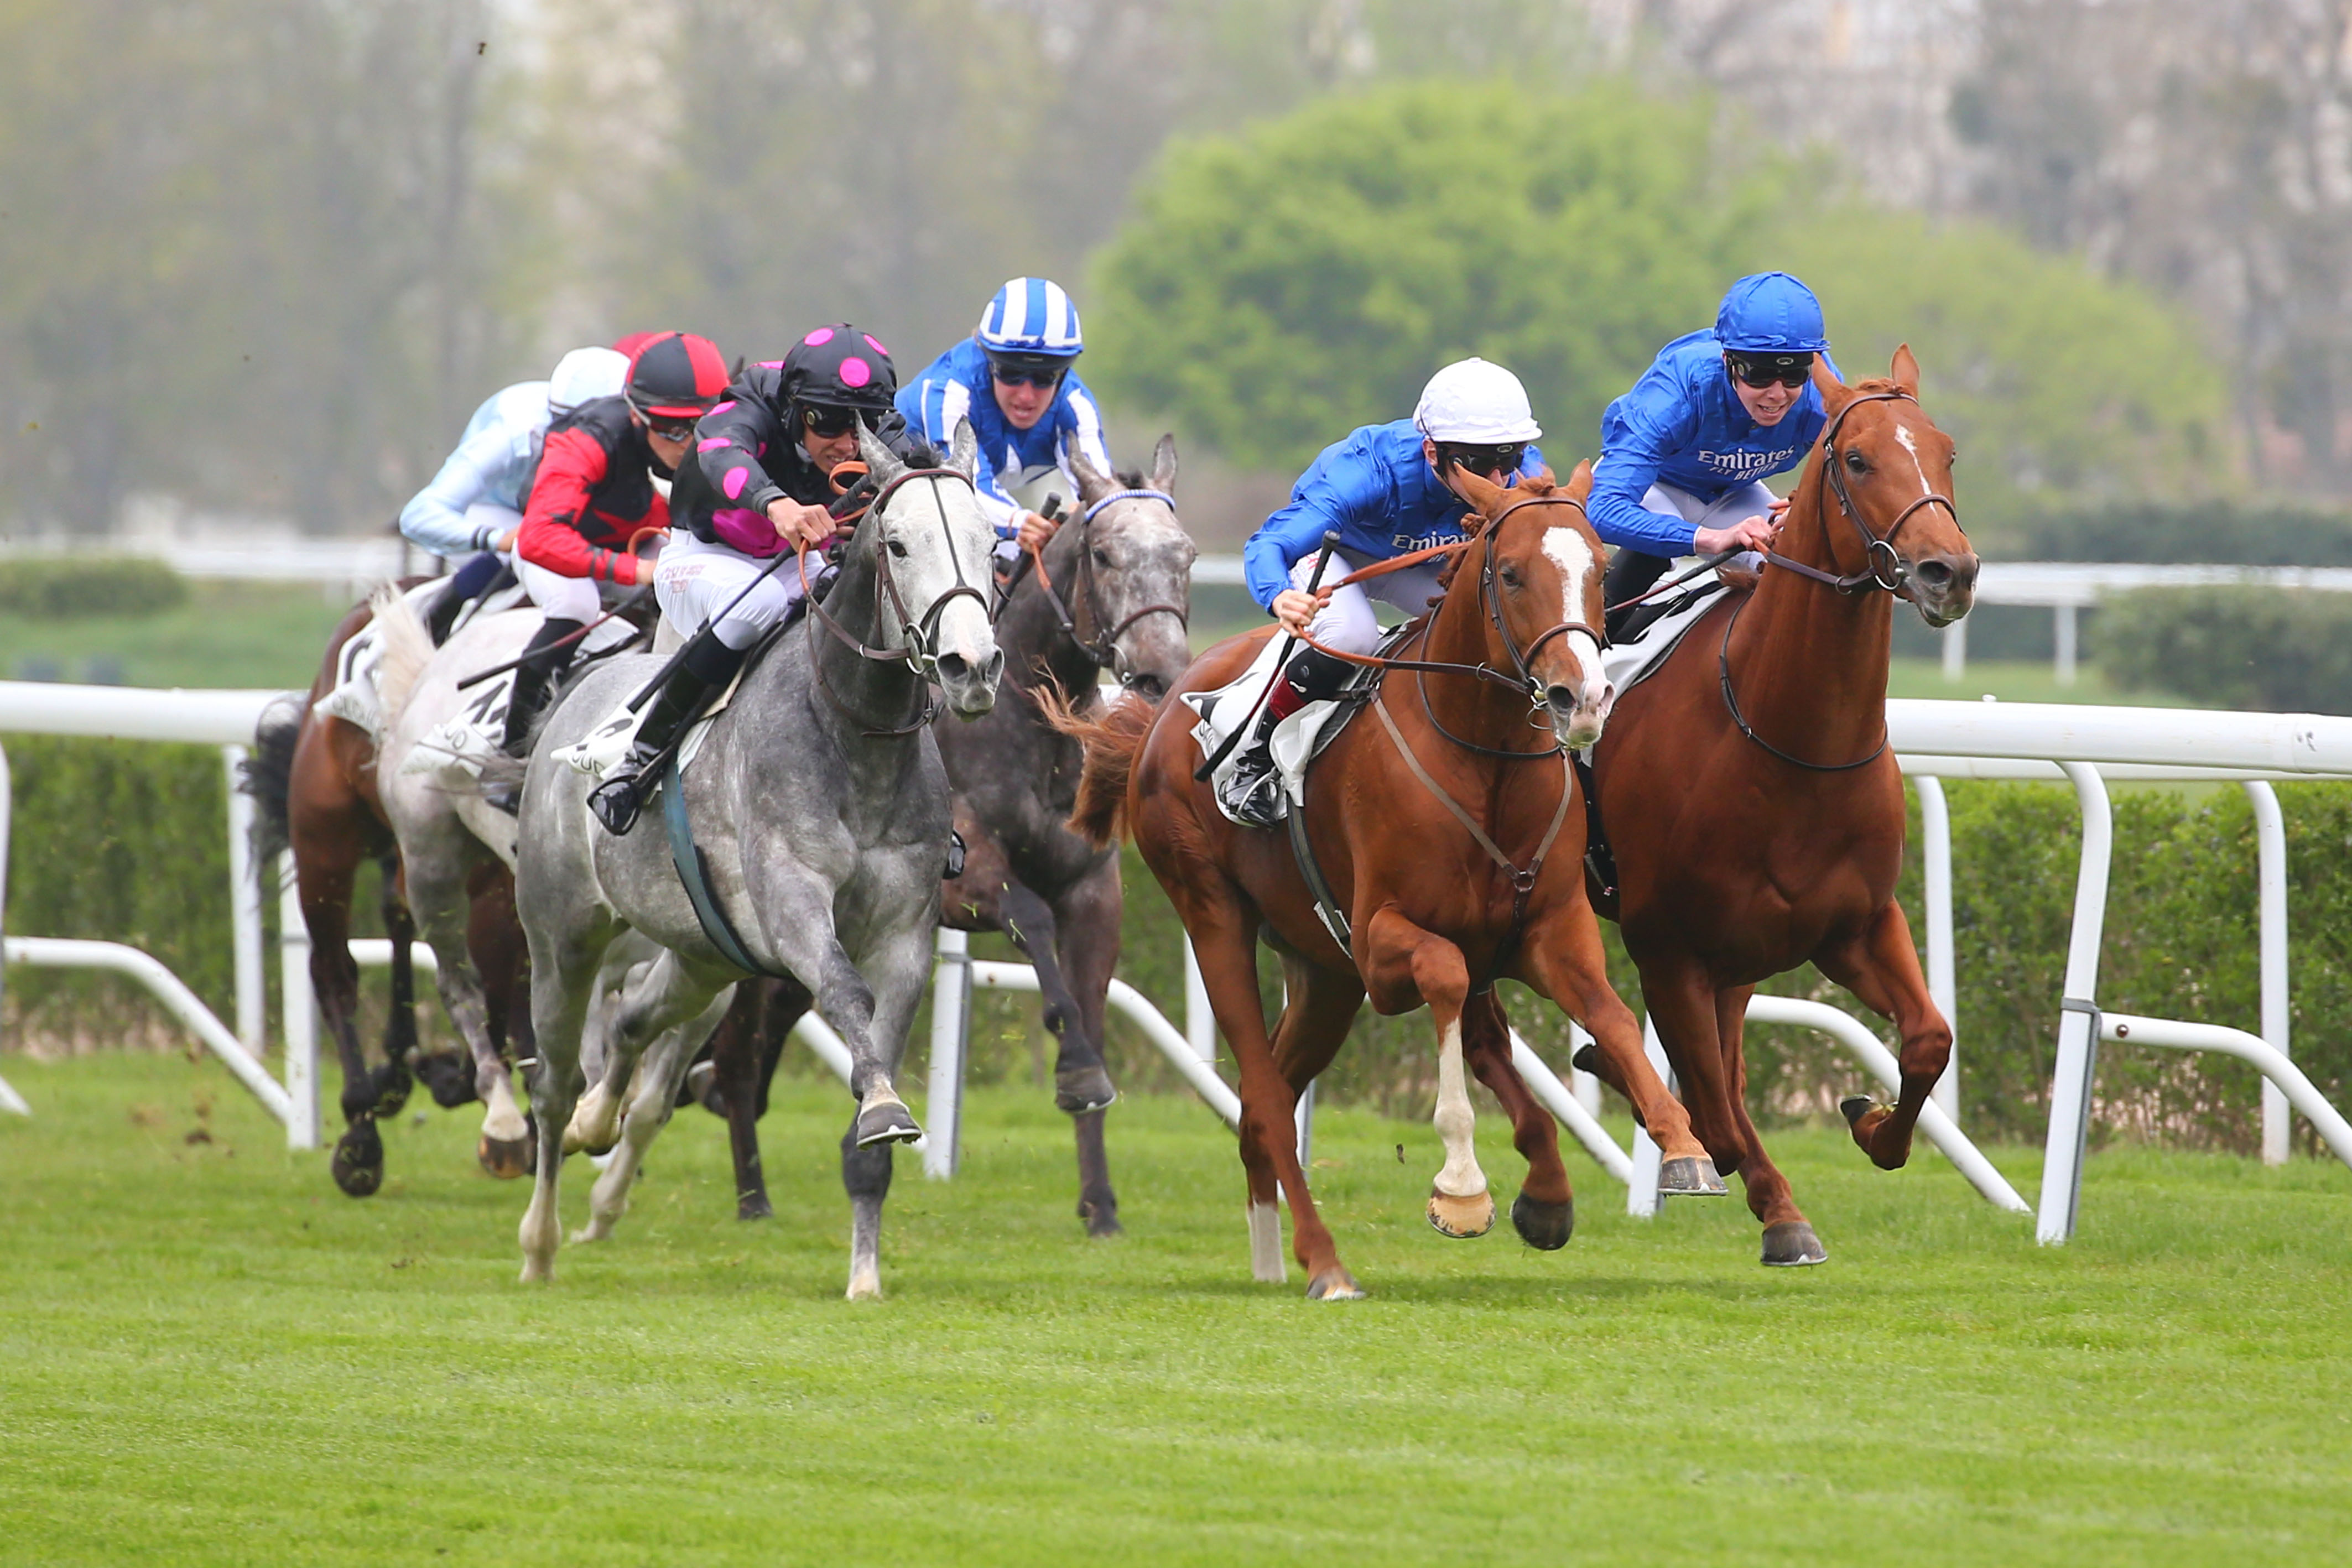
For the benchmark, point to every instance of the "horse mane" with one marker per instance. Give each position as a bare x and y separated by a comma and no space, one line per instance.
407,648
1877,384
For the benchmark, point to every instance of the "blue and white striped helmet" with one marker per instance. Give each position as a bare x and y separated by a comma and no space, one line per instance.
1031,318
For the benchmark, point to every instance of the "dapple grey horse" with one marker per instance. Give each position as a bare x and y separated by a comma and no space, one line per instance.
1115,595
820,805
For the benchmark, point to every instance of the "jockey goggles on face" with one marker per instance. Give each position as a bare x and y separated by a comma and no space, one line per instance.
1765,370
1044,374
669,426
828,420
1487,461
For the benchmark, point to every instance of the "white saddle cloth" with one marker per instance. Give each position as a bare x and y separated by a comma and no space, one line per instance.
1230,706
353,700
456,749
1629,663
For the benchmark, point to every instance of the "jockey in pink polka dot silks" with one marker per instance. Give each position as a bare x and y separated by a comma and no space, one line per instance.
756,485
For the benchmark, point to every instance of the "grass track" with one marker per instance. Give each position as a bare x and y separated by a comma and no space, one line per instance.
207,1356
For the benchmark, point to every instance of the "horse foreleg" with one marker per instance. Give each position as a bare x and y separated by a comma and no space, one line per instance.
1087,920
1544,1214
1881,968
743,1055
1404,962
392,1080
1080,1083
1789,1238
899,966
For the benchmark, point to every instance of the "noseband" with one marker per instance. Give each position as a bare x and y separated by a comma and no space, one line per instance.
1104,648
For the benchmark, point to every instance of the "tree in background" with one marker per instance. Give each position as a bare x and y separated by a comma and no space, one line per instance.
1277,287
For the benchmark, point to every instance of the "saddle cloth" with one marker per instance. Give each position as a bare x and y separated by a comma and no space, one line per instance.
1298,740
353,700
456,749
594,752
1631,662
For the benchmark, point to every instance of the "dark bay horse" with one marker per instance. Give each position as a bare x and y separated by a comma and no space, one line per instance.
1112,591
1454,846
1753,805
312,777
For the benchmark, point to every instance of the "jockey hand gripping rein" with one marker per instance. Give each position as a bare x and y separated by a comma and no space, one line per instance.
1289,640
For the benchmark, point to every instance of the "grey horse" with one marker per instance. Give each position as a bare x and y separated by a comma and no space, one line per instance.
820,804
1115,596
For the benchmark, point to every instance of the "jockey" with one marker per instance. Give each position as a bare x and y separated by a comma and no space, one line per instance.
1014,380
1684,455
594,492
1387,490
477,498
758,484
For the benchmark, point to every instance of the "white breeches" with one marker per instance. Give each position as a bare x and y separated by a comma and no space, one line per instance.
1347,620
1750,500
562,598
696,582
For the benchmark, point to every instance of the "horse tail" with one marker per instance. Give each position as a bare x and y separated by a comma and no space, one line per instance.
406,647
268,774
1112,743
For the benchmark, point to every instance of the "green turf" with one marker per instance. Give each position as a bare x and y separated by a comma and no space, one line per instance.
209,1355
226,635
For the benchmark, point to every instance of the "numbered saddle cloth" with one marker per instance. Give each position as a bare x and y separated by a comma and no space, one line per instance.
456,749
353,700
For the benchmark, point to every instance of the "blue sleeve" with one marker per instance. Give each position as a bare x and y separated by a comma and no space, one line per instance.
1326,499
434,518
1636,435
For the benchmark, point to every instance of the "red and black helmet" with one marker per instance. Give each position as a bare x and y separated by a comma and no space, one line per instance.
841,366
675,375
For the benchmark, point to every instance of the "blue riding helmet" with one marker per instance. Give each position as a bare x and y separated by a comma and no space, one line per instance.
1030,318
1770,313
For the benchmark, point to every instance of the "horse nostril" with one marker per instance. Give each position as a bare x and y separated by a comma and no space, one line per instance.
1935,574
992,667
1558,697
954,666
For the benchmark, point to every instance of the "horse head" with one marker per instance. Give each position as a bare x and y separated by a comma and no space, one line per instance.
1540,590
931,546
1126,572
1885,465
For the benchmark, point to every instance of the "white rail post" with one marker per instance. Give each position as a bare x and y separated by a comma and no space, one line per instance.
950,1028
9,1099
1200,1018
2270,846
245,908
300,1022
2065,637
2078,1022
1641,1187
1955,651
1936,834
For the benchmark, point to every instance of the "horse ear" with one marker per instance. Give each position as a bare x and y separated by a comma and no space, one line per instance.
1835,393
883,463
1580,484
1483,494
1906,370
1092,484
963,450
1163,465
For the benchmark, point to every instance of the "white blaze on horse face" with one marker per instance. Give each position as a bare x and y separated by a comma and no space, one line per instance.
1572,554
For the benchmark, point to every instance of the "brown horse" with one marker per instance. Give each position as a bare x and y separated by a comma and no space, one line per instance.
314,780
1754,808
1453,846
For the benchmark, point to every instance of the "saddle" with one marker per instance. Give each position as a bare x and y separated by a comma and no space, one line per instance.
1299,739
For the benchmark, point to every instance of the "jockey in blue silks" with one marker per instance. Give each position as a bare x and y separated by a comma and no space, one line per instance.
1013,378
1386,490
474,505
1684,455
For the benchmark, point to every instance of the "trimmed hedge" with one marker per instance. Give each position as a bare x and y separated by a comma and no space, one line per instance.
2280,650
124,840
60,589
2229,533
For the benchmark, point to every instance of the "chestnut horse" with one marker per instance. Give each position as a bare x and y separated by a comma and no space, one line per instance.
1454,848
1752,804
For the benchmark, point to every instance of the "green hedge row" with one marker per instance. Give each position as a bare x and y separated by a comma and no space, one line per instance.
125,841
2283,651
53,589
2261,533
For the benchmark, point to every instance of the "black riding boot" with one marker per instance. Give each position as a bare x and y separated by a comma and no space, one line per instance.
541,663
1254,792
1630,575
704,670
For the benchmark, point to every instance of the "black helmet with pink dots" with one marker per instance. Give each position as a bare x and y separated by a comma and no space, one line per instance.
840,367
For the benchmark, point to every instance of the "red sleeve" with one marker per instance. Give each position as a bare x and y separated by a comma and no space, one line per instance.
571,466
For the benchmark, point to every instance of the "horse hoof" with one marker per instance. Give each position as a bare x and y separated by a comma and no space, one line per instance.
1334,1284
1854,1106
358,1163
1102,1219
1691,1176
886,1122
1077,1093
1587,1058
754,1206
1462,1217
504,1158
698,1079
390,1084
448,1076
1545,1227
1791,1244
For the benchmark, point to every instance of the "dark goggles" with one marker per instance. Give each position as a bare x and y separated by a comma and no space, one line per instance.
1487,461
828,420
1027,372
669,427
1765,370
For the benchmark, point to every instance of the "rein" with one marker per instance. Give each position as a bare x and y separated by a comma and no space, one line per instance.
1104,649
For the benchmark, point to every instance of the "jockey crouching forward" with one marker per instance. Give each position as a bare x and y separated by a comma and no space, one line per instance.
1387,490
1684,455
756,486
594,494
475,503
1014,380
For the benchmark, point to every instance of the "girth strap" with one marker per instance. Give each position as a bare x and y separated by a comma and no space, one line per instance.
1327,906
694,873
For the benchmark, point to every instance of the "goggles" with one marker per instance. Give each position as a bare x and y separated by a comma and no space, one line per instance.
669,426
828,420
1030,373
1487,461
1765,370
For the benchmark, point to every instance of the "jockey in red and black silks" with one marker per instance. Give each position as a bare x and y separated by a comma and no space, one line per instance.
593,492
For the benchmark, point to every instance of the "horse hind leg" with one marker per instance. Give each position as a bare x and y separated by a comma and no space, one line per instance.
1544,1214
325,867
658,1075
391,1081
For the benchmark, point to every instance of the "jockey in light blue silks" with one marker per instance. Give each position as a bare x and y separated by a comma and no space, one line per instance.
1013,378
1685,454
1386,490
474,505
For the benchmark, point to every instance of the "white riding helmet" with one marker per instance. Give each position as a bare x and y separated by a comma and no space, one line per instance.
1477,404
585,375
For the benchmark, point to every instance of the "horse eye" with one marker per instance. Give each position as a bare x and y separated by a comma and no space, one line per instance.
1853,460
1102,558
1510,575
898,550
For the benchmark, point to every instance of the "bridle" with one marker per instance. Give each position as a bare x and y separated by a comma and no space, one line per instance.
1104,648
918,633
1883,568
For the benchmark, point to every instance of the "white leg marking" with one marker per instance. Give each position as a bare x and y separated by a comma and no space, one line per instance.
502,1120
1266,1266
592,1123
1461,1176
